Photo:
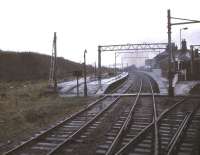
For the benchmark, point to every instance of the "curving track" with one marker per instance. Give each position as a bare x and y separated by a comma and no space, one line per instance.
142,114
133,125
134,117
56,136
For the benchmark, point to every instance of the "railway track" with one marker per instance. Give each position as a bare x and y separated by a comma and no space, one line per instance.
122,123
185,139
176,133
140,127
44,142
54,137
71,147
141,131
141,115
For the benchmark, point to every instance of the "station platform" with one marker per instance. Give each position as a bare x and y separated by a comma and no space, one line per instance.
69,88
181,88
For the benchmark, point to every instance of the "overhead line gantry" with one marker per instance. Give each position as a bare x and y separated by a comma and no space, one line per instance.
154,47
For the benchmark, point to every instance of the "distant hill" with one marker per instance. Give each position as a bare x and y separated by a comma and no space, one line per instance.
33,66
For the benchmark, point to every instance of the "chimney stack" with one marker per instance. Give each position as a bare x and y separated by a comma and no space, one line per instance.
183,45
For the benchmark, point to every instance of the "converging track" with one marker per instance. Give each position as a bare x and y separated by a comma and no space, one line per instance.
64,131
176,128
135,125
142,114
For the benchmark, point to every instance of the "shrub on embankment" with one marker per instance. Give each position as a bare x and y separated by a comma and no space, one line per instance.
34,66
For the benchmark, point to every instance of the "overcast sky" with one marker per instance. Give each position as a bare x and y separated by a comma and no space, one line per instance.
28,25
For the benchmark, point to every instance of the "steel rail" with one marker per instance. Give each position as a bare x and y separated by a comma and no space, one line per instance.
127,122
149,127
54,127
156,145
77,133
85,126
46,132
125,125
178,133
54,150
82,128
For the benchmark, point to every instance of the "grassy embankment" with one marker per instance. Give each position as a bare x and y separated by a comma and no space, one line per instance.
25,109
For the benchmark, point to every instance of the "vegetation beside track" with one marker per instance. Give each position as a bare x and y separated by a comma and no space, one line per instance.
26,108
